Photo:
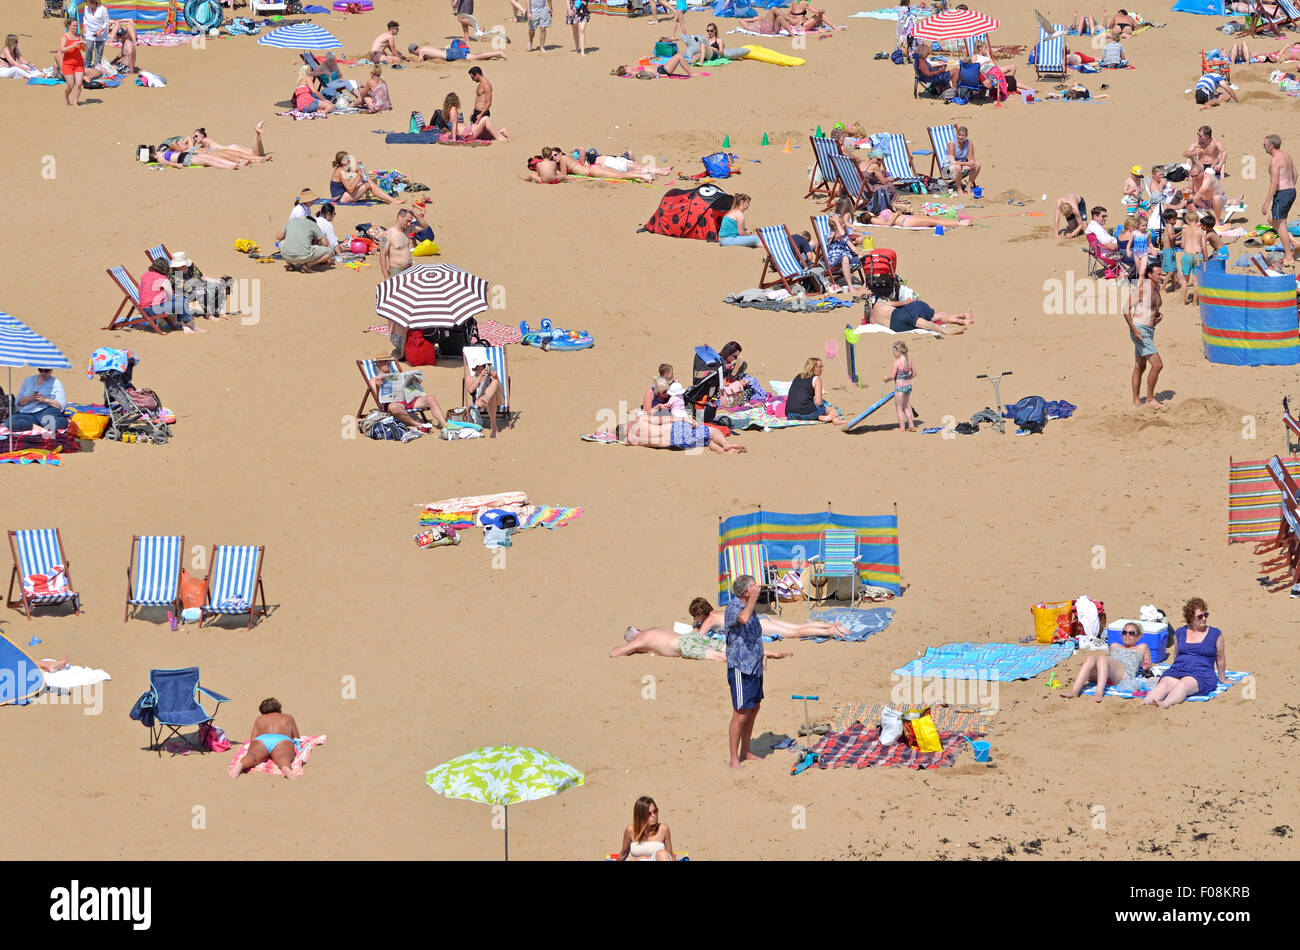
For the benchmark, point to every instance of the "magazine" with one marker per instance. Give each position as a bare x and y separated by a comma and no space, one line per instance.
400,387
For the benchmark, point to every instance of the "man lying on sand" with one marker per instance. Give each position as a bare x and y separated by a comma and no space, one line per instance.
688,646
708,618
272,738
901,316
450,54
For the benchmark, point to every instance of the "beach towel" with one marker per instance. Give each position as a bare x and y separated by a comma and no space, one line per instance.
862,622
65,679
549,516
965,720
877,328
1003,662
496,334
503,499
759,417
305,746
296,115
1234,677
859,745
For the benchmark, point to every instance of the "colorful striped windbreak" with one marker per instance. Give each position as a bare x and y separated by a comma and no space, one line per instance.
1254,501
788,537
1248,320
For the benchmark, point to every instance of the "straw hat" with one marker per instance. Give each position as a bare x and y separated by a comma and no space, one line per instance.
180,261
1136,170
306,197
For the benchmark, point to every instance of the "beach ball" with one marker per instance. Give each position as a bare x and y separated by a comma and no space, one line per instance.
1269,239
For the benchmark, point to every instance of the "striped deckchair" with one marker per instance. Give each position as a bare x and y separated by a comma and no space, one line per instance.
1290,13
824,150
158,252
475,356
153,573
369,369
235,581
1254,500
131,304
898,161
1291,426
821,225
1287,536
1049,54
976,44
780,259
852,183
40,552
751,559
940,137
838,559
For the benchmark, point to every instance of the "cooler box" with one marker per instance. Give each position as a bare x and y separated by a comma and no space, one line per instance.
1154,635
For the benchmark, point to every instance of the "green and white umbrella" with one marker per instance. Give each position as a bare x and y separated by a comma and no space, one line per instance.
503,775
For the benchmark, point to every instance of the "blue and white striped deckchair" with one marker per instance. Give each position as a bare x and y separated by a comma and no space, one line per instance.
1049,54
158,252
898,162
780,259
940,137
130,304
369,369
1291,13
851,181
235,581
975,44
821,225
838,558
39,551
475,356
825,150
153,574
751,559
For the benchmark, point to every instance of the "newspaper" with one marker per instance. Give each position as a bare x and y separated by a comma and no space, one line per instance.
401,387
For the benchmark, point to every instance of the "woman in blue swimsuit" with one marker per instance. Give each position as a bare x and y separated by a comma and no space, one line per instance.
1199,660
275,737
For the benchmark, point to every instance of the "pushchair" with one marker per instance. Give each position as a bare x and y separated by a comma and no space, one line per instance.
134,415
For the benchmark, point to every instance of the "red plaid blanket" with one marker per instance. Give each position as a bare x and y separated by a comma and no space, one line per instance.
860,745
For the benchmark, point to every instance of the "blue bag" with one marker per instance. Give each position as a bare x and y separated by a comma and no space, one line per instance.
717,165
1030,413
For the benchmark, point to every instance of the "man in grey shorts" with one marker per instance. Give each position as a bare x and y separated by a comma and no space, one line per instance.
464,10
539,18
1142,313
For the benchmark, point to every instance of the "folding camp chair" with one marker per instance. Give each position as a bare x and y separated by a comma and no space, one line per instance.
1049,55
920,82
1103,263
475,356
780,259
824,151
258,7
969,86
235,581
751,559
837,560
176,705
153,573
1261,265
131,304
158,252
940,138
821,224
1292,427
898,161
39,554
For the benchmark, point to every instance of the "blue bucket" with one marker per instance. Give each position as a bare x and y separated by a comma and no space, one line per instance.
980,748
938,230
978,191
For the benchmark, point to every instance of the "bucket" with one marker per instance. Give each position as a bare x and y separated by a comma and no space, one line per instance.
868,243
938,230
191,615
980,748
978,191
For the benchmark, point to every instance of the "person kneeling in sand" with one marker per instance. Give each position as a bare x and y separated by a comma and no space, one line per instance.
273,737
708,618
450,54
689,646
902,316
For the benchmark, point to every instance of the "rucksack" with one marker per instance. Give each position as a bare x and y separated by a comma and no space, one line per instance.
1030,413
419,351
1176,173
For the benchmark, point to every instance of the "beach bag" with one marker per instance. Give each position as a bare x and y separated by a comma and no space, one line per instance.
417,121
897,57
213,738
143,709
1176,173
145,400
717,165
193,590
1030,413
666,50
419,351
1049,617
919,731
86,425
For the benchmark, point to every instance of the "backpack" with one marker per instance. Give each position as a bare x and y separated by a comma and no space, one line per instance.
1030,413
897,58
1176,173
419,351
717,165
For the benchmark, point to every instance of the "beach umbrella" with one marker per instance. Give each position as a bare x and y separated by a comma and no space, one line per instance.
431,296
307,36
22,346
503,775
954,25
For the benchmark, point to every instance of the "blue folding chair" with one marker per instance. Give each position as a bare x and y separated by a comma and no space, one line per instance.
235,581
153,573
838,559
780,259
852,183
923,83
898,162
39,552
821,224
825,151
176,705
941,136
969,86
1049,55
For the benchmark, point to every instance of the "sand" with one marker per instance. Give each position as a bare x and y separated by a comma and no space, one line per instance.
449,653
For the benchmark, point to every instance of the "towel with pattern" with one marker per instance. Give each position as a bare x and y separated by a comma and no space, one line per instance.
1234,677
305,746
758,417
965,720
1003,662
859,745
862,623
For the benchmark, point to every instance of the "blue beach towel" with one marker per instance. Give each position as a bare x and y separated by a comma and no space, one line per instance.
861,623
1234,677
1003,662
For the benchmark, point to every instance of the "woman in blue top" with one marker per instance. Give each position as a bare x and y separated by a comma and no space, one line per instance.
732,232
1199,660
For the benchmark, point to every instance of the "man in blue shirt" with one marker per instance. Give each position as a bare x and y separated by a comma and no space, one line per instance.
745,665
40,401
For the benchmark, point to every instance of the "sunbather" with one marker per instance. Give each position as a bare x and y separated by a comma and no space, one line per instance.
772,22
13,64
707,618
463,130
272,738
732,231
1085,25
646,839
807,399
423,53
484,388
1199,661
1118,667
666,432
124,33
937,77
254,156
688,646
806,17
349,184
159,296
372,95
1075,211
960,160
896,219
902,316
1121,24
304,97
1290,52
330,77
184,158
543,169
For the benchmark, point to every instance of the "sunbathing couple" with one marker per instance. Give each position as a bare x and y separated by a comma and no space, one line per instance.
553,164
199,149
800,18
698,645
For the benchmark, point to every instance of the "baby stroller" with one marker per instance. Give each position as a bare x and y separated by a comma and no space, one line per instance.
134,415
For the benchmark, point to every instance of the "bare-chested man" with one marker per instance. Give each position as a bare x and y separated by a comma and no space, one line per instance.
395,257
689,646
482,94
1142,313
708,618
272,738
422,53
1208,194
384,48
1208,150
902,316
1281,194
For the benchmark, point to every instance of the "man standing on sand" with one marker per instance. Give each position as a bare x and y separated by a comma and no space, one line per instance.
539,18
1142,313
745,665
1208,150
482,95
395,257
94,26
1281,194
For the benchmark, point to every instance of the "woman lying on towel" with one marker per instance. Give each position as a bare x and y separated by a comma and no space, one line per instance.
595,165
464,131
1119,669
177,157
903,317
275,736
666,432
896,219
706,618
773,22
199,139
543,169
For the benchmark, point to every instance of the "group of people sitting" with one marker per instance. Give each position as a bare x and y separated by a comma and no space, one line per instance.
321,89
976,73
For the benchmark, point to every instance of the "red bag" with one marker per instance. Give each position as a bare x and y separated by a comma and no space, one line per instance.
419,351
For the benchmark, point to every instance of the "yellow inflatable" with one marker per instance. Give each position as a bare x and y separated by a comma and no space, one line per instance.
765,55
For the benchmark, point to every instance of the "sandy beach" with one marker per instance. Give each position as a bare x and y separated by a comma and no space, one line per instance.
406,658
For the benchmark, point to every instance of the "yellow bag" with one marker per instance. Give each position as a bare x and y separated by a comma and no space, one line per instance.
1046,617
86,425
920,731
868,243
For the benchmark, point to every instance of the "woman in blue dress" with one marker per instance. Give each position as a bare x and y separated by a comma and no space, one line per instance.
1199,660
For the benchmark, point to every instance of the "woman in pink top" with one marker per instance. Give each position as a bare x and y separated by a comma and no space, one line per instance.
159,299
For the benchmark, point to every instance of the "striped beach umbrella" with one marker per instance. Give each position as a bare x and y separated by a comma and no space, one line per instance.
20,345
954,25
307,36
431,297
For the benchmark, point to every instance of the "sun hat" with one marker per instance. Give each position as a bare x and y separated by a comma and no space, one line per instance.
306,197
675,388
180,261
1136,170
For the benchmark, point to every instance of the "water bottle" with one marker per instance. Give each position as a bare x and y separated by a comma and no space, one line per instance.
171,621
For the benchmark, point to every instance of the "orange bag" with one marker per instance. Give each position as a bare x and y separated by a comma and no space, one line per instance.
85,425
194,590
1048,616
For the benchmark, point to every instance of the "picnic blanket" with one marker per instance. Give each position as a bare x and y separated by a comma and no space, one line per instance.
966,720
862,622
1234,677
530,516
1003,662
859,745
297,116
497,334
305,746
758,417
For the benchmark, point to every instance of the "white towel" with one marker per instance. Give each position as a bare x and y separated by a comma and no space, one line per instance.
75,676
877,328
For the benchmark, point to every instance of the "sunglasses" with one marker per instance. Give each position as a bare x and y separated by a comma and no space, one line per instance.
1204,616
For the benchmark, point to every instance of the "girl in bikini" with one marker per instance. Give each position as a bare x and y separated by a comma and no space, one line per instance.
902,375
199,139
891,218
463,131
806,18
348,185
176,156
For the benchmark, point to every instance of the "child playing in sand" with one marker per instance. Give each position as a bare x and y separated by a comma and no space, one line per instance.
1119,668
902,374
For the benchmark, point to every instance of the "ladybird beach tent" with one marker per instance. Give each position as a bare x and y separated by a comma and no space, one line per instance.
691,213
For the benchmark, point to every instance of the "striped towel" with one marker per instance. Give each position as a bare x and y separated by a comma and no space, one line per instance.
1234,677
549,516
498,334
503,499
989,661
305,745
